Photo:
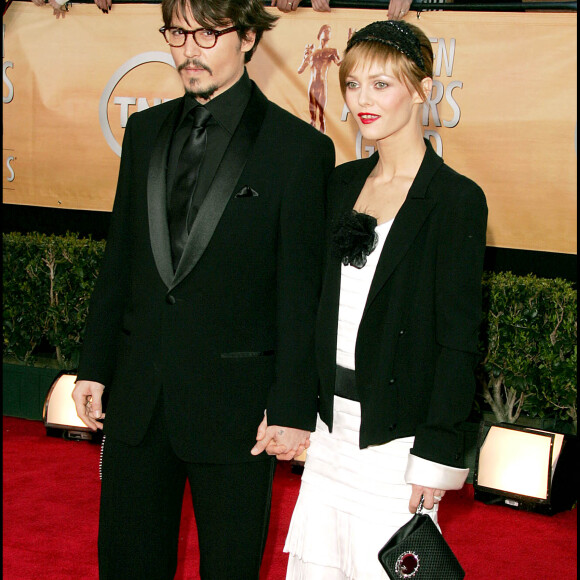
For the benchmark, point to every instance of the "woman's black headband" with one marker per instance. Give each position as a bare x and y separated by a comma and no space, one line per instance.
395,33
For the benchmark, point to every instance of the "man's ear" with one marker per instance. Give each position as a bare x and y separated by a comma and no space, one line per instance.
248,41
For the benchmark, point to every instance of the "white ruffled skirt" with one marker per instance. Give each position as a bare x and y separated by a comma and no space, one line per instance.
351,502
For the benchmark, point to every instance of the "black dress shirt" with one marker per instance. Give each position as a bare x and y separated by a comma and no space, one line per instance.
226,110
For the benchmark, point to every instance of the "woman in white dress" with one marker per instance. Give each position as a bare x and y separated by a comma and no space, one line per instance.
397,329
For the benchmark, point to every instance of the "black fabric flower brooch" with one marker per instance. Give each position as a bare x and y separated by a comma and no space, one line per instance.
354,238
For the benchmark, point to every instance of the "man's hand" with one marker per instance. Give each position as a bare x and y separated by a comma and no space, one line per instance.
283,442
87,396
432,496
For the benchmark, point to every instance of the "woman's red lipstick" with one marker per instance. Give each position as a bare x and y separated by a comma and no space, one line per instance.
368,118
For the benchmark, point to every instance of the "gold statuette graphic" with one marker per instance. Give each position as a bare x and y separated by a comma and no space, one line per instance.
319,61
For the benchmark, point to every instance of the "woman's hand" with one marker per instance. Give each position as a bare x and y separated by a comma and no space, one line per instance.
431,497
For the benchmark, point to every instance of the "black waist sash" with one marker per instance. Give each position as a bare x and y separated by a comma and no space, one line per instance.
345,384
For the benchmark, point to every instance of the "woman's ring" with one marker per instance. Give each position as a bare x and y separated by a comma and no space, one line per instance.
437,497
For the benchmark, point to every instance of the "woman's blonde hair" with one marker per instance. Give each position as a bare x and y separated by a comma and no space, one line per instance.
382,46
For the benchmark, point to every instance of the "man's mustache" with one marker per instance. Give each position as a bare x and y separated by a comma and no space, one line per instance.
193,62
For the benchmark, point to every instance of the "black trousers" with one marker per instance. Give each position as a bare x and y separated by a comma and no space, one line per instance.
141,499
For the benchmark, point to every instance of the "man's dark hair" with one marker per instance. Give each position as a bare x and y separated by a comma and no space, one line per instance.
247,15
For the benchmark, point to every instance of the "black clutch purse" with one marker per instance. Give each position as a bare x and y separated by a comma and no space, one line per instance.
418,550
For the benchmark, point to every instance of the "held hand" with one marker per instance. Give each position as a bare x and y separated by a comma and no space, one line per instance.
432,496
266,440
87,396
398,9
284,442
294,440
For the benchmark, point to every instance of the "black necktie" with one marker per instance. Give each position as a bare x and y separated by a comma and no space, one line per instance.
186,174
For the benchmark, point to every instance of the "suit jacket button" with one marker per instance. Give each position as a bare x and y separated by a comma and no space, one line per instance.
170,299
392,382
401,332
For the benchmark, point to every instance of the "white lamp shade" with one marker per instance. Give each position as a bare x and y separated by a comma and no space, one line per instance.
526,468
518,461
59,407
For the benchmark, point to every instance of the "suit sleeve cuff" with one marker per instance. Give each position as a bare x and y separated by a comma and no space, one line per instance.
434,475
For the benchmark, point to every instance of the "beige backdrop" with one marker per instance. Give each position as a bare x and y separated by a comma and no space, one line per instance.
503,110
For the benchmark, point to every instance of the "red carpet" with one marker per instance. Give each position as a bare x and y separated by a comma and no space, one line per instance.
51,498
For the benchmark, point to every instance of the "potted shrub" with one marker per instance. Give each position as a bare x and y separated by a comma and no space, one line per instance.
529,350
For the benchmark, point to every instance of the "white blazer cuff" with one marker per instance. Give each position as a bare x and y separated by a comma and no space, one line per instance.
435,475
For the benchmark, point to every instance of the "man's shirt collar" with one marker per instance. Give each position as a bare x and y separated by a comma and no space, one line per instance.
228,107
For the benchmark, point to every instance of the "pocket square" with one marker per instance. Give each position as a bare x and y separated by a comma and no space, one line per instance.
247,191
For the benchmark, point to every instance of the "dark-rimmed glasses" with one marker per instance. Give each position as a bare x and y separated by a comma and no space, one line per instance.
203,37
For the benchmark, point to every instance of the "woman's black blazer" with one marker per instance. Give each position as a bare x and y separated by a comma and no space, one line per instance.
417,343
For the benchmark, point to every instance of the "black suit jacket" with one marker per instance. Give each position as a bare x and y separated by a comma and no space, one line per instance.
231,333
417,341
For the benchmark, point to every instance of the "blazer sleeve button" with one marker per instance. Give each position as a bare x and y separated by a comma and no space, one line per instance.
391,381
401,332
170,299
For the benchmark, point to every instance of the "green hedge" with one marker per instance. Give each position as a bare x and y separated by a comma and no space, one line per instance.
528,339
47,284
529,347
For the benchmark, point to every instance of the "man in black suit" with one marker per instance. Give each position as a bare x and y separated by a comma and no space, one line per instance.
201,324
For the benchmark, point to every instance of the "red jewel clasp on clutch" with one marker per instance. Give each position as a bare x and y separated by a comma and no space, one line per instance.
407,565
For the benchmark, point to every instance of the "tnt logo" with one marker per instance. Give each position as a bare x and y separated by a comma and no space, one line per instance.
144,81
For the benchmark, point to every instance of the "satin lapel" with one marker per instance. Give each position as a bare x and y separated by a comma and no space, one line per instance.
403,231
223,185
157,200
408,222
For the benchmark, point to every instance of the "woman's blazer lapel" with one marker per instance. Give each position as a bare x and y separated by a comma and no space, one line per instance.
408,222
405,228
